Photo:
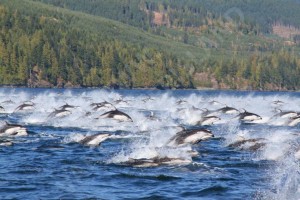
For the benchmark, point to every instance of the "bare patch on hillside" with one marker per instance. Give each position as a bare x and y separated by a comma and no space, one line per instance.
287,32
160,19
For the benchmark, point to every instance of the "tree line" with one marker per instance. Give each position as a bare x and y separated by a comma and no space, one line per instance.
259,15
60,53
53,46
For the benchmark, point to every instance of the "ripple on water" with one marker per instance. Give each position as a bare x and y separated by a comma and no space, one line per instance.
160,177
209,191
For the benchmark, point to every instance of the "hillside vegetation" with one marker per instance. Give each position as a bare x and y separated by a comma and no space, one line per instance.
57,46
149,43
260,14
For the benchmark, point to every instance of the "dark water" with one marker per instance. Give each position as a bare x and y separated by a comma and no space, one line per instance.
49,163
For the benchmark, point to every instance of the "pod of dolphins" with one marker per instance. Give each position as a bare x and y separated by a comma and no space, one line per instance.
186,136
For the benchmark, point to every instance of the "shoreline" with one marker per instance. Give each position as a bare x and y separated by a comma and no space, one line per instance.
149,88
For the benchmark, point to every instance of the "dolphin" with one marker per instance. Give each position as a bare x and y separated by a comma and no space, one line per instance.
119,101
193,108
67,107
94,140
285,114
117,115
249,144
209,120
140,163
228,110
156,161
102,105
13,130
192,136
171,161
277,103
28,102
248,116
215,103
7,102
293,121
24,106
147,99
59,113
206,112
180,102
6,143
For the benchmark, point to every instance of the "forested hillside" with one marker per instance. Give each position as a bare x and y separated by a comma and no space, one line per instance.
57,47
149,43
260,13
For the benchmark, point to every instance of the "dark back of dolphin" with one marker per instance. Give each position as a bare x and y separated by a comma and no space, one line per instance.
226,109
182,135
246,113
89,138
112,113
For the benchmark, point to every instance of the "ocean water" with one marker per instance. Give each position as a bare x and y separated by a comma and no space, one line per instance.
51,163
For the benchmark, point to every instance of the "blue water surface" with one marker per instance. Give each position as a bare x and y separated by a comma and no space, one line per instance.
50,164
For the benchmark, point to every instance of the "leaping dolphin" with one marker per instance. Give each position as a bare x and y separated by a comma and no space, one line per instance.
248,116
117,115
192,136
94,140
13,130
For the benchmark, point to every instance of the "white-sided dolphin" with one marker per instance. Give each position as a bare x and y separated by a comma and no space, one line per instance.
215,103
285,114
181,101
7,102
119,101
277,103
102,105
156,161
294,121
6,143
209,120
192,136
67,107
13,130
117,115
59,113
248,116
24,107
249,144
148,99
94,140
228,110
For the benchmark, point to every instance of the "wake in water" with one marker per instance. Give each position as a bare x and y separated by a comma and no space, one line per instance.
163,129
